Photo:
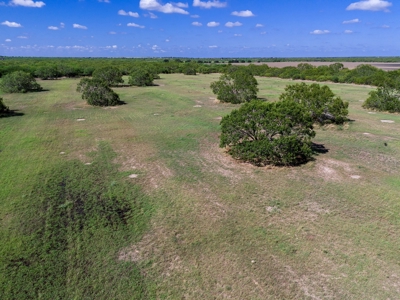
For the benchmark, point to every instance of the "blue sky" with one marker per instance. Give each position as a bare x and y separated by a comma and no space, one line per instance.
199,28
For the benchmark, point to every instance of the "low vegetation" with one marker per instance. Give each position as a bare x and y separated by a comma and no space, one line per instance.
75,216
237,86
322,104
19,82
265,133
385,98
97,93
141,77
110,76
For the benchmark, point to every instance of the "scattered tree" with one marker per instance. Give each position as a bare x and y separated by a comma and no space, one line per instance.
264,133
141,77
97,93
111,76
19,82
322,104
385,98
235,87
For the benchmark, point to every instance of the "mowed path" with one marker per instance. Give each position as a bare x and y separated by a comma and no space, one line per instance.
224,229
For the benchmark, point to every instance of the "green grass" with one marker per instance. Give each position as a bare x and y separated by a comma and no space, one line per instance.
219,228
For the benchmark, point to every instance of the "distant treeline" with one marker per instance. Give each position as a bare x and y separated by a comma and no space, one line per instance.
53,68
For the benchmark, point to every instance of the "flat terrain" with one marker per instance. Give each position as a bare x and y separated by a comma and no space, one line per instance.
222,229
349,65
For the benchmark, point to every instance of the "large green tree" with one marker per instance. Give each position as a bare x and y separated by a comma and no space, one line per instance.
111,76
384,98
19,82
97,93
141,77
322,104
265,133
236,86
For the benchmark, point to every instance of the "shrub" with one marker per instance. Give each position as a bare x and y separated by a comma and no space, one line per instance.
111,76
141,77
97,93
385,98
264,133
322,104
235,87
47,72
19,82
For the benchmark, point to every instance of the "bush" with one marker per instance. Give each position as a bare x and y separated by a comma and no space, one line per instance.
141,77
4,110
322,104
264,133
97,93
19,82
385,98
47,72
237,86
111,76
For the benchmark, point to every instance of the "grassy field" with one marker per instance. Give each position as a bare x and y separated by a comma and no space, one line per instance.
204,226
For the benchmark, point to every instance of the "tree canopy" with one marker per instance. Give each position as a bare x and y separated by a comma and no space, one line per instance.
322,104
111,76
264,133
384,98
19,82
141,77
236,86
97,93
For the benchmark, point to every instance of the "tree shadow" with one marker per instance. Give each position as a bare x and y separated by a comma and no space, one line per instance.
11,113
38,91
319,149
262,99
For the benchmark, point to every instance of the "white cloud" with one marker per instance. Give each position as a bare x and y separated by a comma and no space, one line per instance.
152,16
77,26
243,13
27,3
128,13
62,25
105,1
8,40
264,32
168,8
209,4
230,24
134,25
348,31
374,5
180,4
53,27
237,34
213,46
320,31
167,40
352,21
22,37
112,32
259,25
385,26
197,24
11,24
212,24
195,16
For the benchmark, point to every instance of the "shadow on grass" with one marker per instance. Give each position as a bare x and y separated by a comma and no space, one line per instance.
319,149
11,113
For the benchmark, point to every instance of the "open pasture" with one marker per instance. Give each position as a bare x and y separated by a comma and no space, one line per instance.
219,228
